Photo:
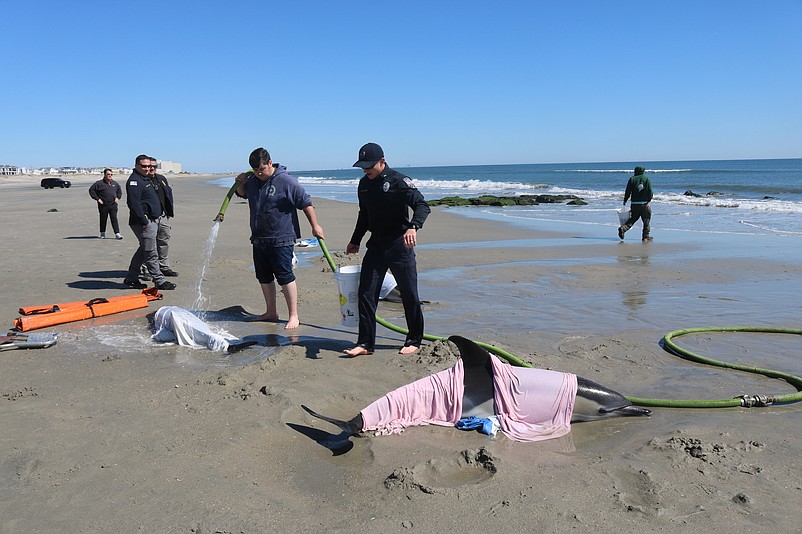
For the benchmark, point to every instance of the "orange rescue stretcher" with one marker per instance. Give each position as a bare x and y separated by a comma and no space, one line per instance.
34,317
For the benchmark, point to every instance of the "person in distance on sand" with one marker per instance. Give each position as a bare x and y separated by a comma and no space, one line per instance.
639,187
107,193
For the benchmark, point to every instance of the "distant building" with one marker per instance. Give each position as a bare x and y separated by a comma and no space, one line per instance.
6,170
164,167
167,167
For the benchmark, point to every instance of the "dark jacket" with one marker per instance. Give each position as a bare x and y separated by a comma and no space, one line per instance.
143,200
105,191
165,195
384,205
639,187
274,205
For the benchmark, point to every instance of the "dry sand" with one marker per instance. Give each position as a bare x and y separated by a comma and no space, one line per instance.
110,432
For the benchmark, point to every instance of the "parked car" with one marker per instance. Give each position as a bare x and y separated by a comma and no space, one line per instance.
50,183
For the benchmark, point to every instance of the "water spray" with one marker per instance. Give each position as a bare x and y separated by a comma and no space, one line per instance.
201,301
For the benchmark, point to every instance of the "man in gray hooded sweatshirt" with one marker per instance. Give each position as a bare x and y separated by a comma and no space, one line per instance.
275,197
640,189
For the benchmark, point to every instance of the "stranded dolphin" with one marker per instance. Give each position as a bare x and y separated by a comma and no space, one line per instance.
177,325
593,401
528,404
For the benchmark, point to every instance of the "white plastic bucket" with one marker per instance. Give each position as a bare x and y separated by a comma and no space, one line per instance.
347,278
388,284
623,215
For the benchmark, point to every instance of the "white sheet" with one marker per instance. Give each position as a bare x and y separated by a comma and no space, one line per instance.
177,325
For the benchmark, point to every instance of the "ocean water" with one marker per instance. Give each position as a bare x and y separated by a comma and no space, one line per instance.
761,197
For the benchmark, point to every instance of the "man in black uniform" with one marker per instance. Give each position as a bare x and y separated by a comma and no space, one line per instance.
385,198
145,209
163,222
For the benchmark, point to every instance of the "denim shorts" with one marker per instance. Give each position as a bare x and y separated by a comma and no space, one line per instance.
273,263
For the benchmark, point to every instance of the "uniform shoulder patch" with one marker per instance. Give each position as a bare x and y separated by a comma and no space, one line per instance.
408,181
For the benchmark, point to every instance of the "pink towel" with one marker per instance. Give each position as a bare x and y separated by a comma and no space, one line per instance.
531,404
435,399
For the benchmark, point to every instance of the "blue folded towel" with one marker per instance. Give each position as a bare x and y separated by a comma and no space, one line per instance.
485,425
470,423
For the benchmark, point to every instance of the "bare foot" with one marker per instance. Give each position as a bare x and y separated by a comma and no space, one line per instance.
408,349
293,323
268,317
358,351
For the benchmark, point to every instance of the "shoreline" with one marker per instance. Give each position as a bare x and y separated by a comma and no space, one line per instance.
110,431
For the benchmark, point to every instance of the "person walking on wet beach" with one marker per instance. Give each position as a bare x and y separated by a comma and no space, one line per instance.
385,199
639,187
107,193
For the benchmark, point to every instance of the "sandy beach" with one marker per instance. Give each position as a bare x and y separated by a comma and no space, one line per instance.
108,431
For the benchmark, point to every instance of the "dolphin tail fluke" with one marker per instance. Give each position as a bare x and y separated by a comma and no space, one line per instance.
346,426
337,444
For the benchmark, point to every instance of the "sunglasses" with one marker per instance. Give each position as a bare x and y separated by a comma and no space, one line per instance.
148,166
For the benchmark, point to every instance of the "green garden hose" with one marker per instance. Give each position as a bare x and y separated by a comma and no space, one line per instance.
746,401
224,206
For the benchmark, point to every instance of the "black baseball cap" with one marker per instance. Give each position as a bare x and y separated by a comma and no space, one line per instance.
369,155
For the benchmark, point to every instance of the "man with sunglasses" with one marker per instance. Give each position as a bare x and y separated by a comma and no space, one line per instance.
164,221
145,209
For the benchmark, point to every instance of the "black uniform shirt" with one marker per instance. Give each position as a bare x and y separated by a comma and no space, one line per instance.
384,204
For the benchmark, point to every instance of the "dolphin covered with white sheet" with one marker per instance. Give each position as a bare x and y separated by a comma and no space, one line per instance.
177,325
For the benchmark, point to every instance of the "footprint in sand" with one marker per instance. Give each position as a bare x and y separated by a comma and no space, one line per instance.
637,491
442,474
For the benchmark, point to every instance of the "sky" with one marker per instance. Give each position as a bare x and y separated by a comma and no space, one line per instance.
202,83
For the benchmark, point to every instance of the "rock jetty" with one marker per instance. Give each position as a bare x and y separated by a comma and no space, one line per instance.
520,200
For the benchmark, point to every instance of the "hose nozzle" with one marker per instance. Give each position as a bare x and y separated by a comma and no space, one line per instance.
224,205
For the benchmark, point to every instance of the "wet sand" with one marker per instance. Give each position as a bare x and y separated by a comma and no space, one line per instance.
108,431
